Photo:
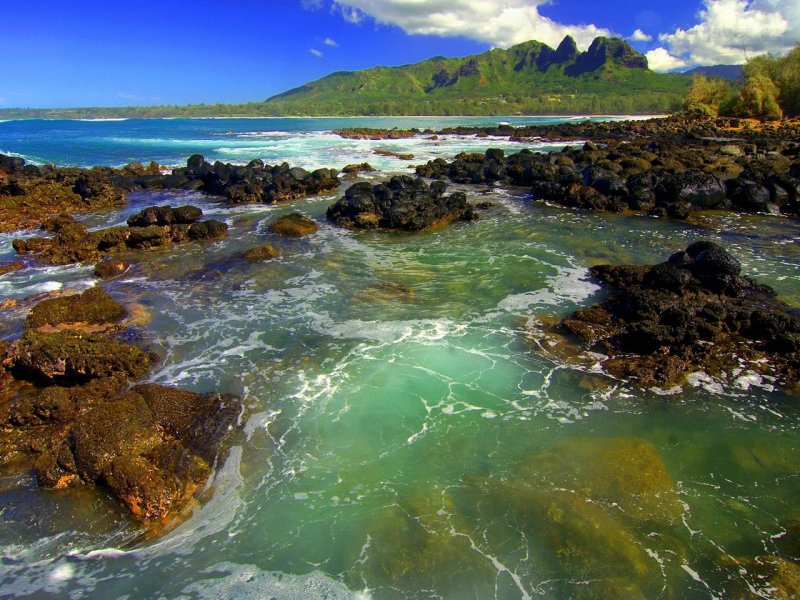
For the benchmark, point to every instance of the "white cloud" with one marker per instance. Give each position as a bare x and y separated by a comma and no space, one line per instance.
316,53
730,31
661,60
330,42
350,14
640,36
497,22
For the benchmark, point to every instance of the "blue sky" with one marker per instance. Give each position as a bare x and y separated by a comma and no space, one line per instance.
92,53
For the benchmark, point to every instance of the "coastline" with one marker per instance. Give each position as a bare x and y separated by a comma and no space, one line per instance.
222,118
392,317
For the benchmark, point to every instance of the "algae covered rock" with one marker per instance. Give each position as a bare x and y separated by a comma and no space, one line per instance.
93,307
208,230
263,252
73,357
151,447
294,225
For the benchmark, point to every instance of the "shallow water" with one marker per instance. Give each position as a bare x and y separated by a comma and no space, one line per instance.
407,437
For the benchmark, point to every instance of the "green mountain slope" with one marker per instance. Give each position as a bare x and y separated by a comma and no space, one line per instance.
530,78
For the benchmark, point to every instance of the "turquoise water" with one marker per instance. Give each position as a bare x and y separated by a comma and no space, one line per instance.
409,435
302,142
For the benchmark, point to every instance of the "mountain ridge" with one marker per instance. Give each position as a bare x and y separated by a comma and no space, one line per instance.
530,78
529,72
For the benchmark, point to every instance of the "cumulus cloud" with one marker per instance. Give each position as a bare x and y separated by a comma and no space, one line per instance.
500,23
730,31
330,42
640,36
661,60
316,53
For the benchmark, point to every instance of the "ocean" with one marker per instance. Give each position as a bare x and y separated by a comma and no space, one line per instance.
407,432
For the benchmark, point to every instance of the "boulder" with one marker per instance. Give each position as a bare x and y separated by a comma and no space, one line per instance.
71,357
403,203
263,252
207,230
93,307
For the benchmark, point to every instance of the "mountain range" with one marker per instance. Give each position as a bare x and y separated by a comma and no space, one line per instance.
531,78
608,77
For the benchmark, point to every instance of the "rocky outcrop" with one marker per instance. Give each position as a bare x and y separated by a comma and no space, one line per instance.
693,312
607,52
668,174
402,203
151,446
252,183
92,307
29,194
153,227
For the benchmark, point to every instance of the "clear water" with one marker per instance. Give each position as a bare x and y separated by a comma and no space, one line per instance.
408,437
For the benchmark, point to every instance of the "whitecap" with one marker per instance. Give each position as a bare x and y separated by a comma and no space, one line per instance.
248,582
571,285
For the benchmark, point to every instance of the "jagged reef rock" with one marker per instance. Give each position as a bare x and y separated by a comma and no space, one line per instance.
153,227
692,312
66,409
403,203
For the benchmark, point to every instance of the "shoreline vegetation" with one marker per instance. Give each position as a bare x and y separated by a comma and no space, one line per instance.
58,376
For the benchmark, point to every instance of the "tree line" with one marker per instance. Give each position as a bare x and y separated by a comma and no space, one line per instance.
770,90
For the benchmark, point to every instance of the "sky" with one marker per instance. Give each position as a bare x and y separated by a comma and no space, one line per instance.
105,53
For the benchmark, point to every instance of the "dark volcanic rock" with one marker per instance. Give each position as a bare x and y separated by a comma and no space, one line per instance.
403,203
252,183
693,312
152,228
165,215
208,230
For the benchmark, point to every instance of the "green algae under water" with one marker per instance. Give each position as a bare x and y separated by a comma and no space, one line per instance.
407,437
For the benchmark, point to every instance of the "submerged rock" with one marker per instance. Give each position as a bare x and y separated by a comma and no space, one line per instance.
692,312
294,225
403,203
263,252
588,503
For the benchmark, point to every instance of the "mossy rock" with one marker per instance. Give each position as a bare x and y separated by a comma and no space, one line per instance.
72,357
10,267
207,230
108,269
414,547
263,252
124,427
295,225
625,471
94,306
